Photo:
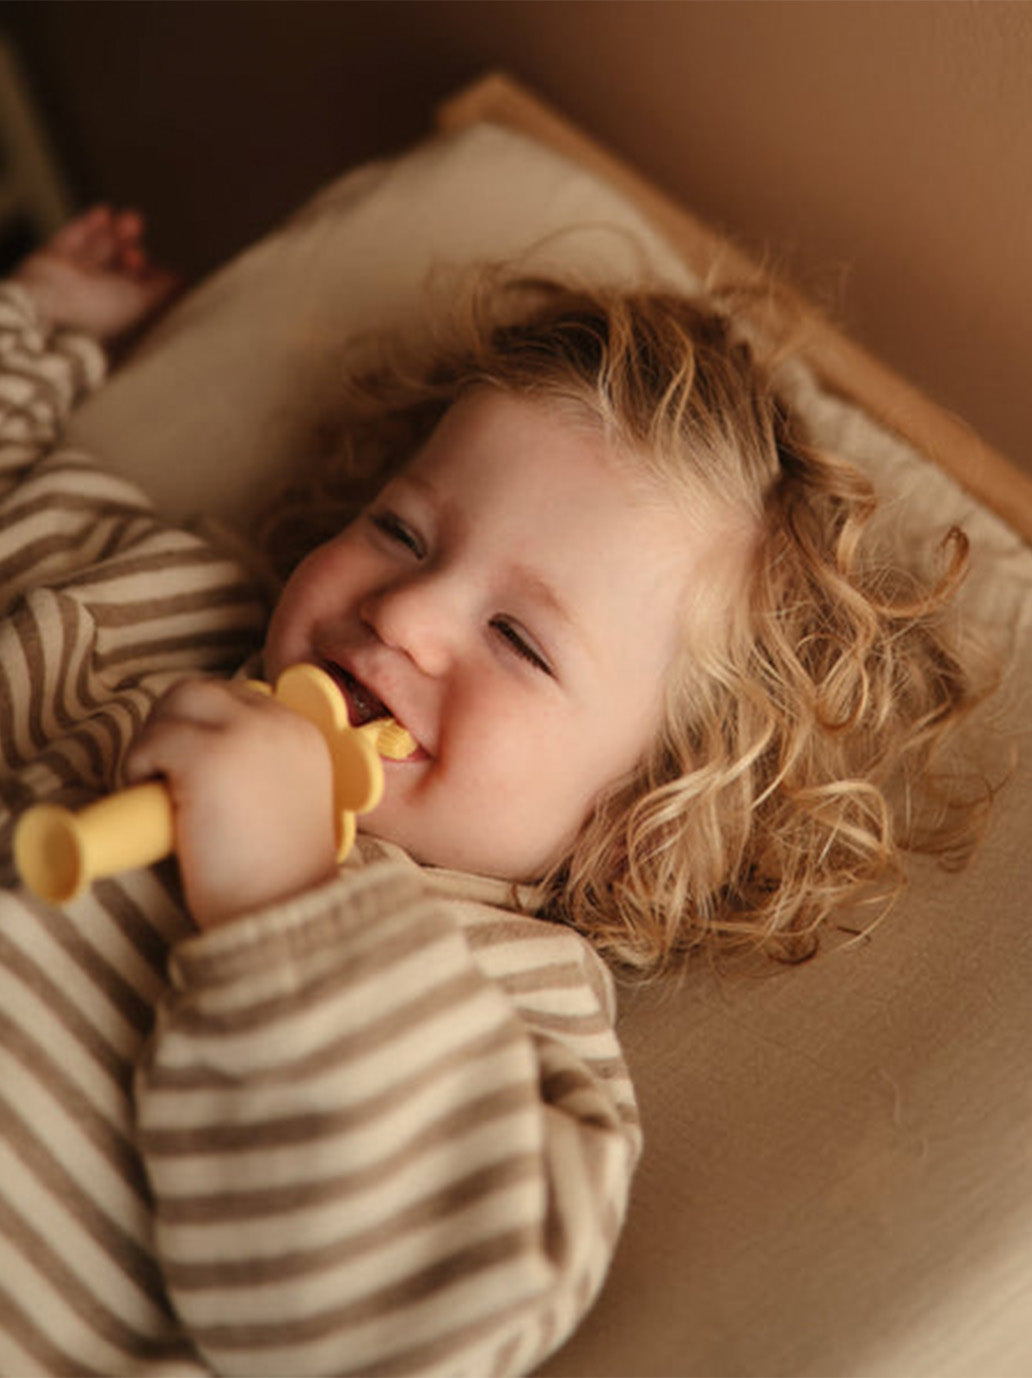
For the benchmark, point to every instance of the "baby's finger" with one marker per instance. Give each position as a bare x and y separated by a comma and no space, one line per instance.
188,704
204,702
164,747
72,237
128,225
100,247
89,240
128,230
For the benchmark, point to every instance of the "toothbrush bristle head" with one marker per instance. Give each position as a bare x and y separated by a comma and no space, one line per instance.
393,741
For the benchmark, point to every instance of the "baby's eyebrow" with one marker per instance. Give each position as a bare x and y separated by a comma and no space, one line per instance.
424,491
537,590
406,479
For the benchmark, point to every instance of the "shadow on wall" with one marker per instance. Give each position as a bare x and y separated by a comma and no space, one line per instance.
218,119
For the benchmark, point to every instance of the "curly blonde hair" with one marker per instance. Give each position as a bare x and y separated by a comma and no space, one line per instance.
805,741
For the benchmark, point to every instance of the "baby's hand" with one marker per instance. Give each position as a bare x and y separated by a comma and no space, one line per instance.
252,789
95,275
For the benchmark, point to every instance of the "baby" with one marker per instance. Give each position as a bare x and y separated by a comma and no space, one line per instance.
263,1115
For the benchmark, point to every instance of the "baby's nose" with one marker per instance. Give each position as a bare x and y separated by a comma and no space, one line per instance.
418,617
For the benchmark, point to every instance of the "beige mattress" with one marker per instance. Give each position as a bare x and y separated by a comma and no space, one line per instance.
838,1169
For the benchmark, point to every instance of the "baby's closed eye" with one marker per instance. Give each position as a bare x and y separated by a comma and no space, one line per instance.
520,642
392,526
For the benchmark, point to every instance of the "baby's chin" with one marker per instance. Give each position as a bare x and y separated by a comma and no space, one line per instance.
457,854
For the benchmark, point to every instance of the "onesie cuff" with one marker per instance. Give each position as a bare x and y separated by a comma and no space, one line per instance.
19,311
292,942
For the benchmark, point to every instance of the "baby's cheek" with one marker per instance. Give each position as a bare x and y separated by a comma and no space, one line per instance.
545,804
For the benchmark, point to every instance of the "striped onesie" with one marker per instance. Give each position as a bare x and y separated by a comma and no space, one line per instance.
383,1128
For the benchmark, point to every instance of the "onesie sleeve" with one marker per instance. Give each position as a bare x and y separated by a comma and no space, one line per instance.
59,513
44,373
384,1140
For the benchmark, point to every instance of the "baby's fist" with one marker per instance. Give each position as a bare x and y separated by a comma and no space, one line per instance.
252,791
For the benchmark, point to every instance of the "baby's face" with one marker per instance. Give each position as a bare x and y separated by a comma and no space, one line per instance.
513,598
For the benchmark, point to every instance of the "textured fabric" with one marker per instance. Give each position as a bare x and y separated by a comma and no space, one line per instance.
384,1128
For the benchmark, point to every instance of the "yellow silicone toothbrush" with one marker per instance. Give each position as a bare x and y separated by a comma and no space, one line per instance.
58,852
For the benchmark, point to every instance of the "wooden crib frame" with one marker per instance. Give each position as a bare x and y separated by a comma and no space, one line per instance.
841,364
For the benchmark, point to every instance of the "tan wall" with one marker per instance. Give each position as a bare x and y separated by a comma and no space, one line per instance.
881,151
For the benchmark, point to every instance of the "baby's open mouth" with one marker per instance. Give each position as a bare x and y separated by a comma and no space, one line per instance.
363,705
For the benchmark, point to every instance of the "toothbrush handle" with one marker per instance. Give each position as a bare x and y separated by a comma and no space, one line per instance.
59,852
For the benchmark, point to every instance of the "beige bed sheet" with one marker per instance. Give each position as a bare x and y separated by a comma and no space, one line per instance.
838,1172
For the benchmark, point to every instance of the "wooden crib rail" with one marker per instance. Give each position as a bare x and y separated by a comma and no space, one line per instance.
842,365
